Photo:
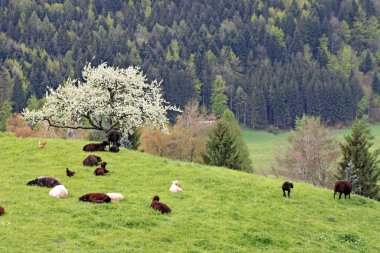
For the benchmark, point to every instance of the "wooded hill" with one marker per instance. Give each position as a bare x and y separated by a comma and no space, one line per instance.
268,61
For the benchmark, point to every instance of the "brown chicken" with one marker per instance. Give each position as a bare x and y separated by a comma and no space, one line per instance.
41,144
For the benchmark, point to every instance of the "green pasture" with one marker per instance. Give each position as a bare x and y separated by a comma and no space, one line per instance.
261,145
221,210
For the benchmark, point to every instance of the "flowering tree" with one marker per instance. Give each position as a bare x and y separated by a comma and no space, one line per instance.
108,97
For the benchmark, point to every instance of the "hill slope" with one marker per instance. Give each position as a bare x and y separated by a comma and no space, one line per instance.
220,211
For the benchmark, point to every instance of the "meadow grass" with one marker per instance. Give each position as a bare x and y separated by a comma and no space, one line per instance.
261,145
221,210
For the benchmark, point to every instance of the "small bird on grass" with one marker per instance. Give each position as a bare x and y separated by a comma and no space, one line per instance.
69,173
41,144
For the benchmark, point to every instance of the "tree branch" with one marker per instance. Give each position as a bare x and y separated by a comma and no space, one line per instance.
71,127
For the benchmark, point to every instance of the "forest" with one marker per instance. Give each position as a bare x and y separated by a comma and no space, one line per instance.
267,61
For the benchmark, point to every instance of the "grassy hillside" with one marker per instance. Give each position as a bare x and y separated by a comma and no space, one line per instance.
261,145
220,211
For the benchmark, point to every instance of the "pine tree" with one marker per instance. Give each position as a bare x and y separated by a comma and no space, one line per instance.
225,146
376,84
230,120
356,148
5,113
221,150
218,99
351,174
259,112
366,64
18,96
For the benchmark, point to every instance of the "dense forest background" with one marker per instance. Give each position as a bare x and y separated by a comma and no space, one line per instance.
267,60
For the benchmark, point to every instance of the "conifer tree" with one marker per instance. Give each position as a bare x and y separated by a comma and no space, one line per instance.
18,96
366,64
376,84
218,99
351,174
225,146
356,148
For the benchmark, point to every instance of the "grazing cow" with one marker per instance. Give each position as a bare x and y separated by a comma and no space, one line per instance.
69,173
59,191
343,186
44,182
115,196
91,147
96,198
92,160
102,170
2,210
286,187
175,187
113,136
157,205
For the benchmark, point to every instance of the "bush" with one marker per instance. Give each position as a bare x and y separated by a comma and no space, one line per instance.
15,124
273,129
96,135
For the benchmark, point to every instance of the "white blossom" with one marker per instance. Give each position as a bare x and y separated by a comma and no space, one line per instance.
108,97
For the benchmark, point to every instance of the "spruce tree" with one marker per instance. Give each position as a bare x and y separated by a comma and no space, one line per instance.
18,96
351,174
366,64
356,148
376,84
225,146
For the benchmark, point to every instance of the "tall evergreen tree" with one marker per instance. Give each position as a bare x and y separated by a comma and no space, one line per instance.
18,96
376,84
366,64
218,99
351,174
5,113
356,149
243,154
225,146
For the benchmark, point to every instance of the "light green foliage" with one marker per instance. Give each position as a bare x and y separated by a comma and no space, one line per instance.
134,53
141,34
364,102
346,32
220,211
218,98
307,54
173,52
276,13
147,8
278,33
34,103
226,27
5,113
345,59
261,145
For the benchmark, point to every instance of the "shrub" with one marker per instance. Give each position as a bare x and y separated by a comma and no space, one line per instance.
15,124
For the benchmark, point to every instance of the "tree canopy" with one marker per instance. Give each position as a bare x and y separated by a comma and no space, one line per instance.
288,58
108,97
